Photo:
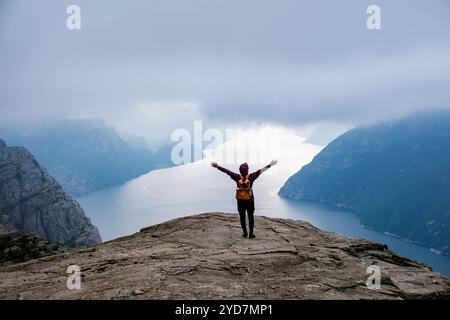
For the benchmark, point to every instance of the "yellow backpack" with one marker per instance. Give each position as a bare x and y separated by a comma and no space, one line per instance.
244,190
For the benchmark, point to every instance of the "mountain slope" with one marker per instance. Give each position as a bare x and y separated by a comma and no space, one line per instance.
16,246
204,257
33,202
85,155
395,176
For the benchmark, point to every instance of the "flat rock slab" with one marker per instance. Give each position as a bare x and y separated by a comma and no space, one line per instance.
205,257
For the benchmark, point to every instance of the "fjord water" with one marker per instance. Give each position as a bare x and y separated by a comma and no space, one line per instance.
165,194
194,188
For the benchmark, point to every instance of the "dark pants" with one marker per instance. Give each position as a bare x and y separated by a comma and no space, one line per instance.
249,207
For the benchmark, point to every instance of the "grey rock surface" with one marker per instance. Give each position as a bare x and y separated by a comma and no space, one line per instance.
34,202
204,257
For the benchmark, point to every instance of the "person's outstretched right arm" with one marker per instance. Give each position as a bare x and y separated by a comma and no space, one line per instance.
254,175
232,174
271,164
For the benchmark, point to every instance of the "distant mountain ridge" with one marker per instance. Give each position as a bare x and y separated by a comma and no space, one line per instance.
394,175
33,202
86,155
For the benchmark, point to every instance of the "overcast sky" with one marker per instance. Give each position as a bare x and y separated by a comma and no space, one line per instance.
160,64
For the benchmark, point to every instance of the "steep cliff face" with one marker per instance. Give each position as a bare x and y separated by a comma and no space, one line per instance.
394,175
204,257
33,202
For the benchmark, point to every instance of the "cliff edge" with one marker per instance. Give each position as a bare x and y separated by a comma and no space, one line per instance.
204,257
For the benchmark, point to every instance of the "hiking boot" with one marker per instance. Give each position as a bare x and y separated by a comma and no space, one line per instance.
251,236
244,235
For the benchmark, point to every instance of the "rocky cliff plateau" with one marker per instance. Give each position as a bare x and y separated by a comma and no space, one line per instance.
205,257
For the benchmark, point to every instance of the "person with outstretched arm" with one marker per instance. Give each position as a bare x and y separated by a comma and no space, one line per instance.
244,193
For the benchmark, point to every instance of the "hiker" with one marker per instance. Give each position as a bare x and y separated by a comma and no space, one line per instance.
244,192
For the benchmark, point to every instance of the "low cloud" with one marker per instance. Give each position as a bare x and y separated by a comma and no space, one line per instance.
291,62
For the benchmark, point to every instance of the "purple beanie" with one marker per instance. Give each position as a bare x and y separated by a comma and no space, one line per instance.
243,169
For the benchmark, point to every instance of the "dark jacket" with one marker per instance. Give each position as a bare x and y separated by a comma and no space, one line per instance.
236,176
